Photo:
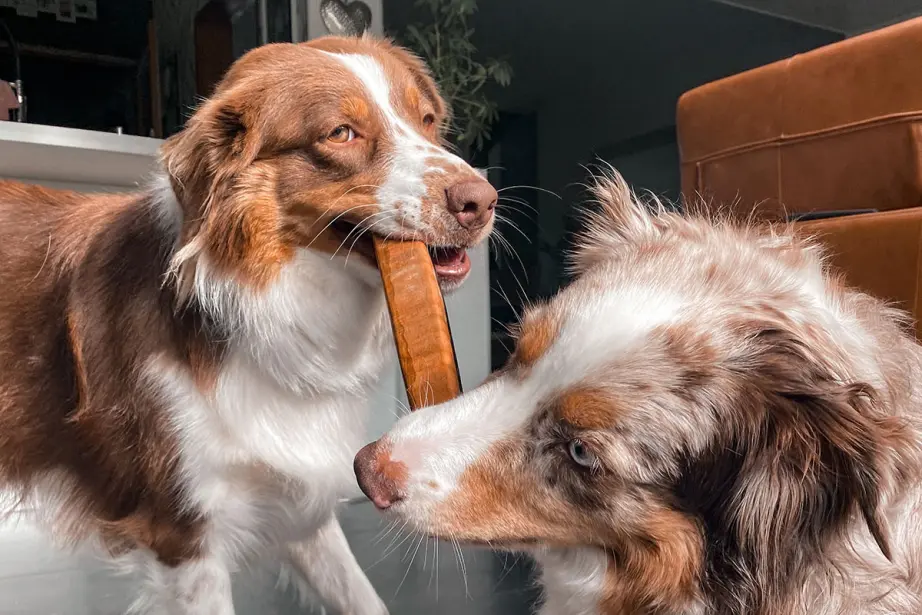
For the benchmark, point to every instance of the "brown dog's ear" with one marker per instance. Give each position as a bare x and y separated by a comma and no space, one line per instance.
205,154
203,162
422,76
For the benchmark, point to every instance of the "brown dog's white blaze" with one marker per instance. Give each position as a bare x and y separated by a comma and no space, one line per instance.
258,178
705,420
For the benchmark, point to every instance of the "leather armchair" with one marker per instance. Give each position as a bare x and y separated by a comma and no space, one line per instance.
830,135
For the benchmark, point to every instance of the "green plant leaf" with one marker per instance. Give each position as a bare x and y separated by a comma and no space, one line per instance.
466,7
501,73
446,44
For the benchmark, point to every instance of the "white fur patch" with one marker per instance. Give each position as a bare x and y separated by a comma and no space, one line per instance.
267,455
193,588
573,580
414,156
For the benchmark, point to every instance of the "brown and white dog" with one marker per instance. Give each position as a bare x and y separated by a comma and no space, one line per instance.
704,422
184,371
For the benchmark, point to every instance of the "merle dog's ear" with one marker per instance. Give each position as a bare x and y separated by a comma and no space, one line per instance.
857,440
800,453
614,218
816,444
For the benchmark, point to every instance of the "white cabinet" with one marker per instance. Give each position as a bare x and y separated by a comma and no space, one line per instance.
75,159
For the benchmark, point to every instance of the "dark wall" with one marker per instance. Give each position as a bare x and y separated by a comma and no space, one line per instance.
120,29
512,167
96,93
626,85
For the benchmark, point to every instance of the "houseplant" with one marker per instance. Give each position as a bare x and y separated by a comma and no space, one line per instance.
444,41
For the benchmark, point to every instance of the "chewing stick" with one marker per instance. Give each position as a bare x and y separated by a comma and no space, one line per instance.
420,323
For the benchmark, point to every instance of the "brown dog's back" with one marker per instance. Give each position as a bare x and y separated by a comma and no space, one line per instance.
82,307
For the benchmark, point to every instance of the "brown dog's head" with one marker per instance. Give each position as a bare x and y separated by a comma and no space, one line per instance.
320,145
703,404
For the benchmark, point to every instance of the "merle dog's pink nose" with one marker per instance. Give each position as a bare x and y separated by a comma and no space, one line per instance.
380,478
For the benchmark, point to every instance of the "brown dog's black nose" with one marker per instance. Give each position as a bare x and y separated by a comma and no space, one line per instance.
472,202
379,478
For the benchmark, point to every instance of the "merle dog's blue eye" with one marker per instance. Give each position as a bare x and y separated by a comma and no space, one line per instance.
580,453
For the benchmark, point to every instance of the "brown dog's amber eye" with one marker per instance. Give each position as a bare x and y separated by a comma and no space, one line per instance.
428,120
341,134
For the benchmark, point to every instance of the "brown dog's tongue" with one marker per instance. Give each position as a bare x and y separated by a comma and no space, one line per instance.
420,323
450,263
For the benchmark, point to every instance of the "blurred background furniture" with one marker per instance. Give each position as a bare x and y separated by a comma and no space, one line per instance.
824,137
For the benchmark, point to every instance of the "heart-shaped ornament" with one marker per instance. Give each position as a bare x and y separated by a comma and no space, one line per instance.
344,19
236,8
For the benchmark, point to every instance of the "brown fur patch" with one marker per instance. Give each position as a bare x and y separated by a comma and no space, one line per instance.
660,568
655,562
497,504
90,311
393,471
586,407
243,237
413,97
73,335
538,331
356,107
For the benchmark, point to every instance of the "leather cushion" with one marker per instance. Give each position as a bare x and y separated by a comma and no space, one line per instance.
878,253
837,128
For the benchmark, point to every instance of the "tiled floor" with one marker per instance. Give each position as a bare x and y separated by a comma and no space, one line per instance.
36,579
